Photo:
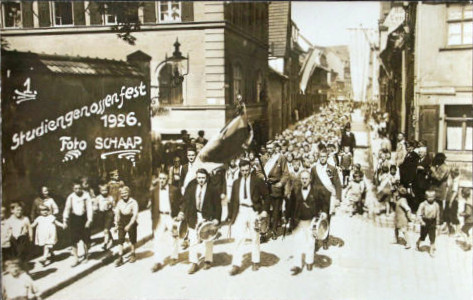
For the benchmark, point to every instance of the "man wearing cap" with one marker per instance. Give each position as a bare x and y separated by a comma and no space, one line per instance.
201,203
348,138
165,204
248,202
277,175
326,181
305,203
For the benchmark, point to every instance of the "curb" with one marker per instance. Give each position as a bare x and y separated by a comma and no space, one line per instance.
106,260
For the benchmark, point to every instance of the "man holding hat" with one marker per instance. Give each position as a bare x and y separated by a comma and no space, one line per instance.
248,203
201,203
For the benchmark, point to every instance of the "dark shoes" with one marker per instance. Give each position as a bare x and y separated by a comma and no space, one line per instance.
255,266
207,265
309,267
235,270
194,268
119,261
173,262
156,267
295,271
132,258
325,245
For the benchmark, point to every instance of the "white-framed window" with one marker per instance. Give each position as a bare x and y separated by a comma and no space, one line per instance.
62,13
459,23
11,16
237,82
459,127
169,11
109,18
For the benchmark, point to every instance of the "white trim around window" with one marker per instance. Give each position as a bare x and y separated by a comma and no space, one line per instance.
169,5
19,23
52,10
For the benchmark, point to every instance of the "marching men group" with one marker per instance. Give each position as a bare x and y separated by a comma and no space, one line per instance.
251,204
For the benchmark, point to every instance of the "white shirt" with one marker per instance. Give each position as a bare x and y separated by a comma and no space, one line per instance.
246,200
21,286
78,205
305,193
164,203
18,227
200,190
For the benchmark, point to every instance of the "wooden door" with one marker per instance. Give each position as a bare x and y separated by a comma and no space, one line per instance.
429,126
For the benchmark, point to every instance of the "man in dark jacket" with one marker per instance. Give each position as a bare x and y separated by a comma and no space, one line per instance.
348,138
305,203
248,203
201,203
408,168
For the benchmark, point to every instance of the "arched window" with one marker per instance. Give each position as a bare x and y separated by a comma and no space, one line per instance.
237,82
170,87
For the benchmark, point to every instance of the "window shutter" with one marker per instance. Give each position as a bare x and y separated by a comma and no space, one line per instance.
149,12
79,12
187,11
95,16
27,14
44,14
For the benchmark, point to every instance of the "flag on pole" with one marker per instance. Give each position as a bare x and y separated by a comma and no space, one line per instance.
231,141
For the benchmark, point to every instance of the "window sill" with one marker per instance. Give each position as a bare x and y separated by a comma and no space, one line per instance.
457,47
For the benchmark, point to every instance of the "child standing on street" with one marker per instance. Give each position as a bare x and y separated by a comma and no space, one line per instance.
126,213
78,214
17,284
384,190
106,203
429,215
22,233
402,216
355,193
46,235
6,236
467,214
346,161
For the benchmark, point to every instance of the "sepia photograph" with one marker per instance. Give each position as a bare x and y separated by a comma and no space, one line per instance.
240,150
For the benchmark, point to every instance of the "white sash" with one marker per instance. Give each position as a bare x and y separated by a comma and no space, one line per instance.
268,167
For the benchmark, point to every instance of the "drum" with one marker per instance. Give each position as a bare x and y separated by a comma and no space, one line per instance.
320,227
179,229
206,231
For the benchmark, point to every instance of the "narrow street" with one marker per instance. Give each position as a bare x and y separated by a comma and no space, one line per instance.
362,263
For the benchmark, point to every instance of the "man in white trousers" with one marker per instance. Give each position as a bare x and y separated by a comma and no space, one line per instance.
248,202
166,200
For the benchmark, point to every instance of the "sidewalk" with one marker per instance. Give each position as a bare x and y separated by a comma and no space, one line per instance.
59,274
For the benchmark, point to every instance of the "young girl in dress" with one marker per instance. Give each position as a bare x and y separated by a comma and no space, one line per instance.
46,235
402,216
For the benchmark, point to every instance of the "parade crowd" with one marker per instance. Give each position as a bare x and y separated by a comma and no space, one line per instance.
285,187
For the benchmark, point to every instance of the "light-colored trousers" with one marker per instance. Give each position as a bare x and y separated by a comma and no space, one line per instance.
243,229
164,243
304,243
196,247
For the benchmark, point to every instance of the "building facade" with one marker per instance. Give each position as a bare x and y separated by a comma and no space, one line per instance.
226,44
443,81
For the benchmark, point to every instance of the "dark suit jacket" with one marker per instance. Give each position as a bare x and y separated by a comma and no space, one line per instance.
316,201
348,140
408,168
318,185
185,169
258,193
175,198
211,208
279,173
